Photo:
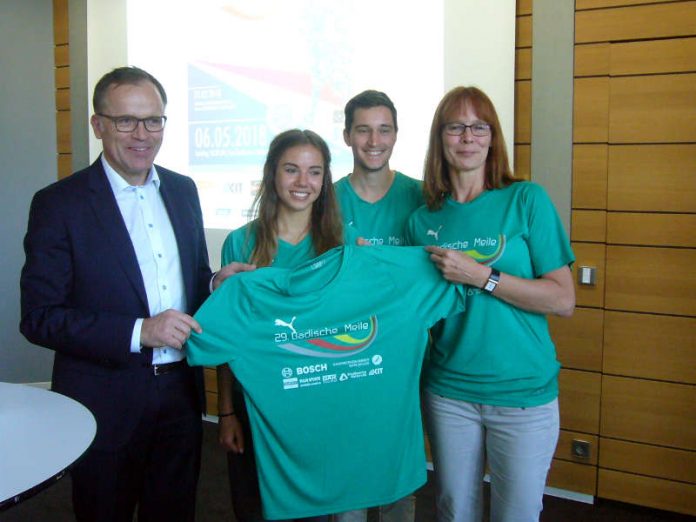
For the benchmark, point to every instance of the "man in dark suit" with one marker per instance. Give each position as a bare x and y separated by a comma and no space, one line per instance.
116,264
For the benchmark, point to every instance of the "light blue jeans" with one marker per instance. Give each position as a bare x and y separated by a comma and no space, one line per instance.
403,510
517,442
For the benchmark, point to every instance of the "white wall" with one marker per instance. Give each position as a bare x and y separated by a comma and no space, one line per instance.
480,51
28,163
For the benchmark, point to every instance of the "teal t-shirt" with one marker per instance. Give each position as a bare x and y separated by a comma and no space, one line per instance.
329,354
382,222
496,353
239,245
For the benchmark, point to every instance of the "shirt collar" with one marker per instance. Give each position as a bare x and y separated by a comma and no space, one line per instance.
118,184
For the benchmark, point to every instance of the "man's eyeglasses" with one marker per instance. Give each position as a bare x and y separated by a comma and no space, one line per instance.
457,129
130,123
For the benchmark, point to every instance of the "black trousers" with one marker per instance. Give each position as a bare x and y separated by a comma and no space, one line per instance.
156,471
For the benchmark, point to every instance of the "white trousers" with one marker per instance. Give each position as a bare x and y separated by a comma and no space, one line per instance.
403,510
518,444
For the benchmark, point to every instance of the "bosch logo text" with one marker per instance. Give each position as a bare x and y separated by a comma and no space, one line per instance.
312,368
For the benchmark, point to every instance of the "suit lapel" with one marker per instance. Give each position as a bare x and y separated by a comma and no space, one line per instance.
110,221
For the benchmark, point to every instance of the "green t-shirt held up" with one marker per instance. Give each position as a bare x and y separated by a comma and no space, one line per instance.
329,354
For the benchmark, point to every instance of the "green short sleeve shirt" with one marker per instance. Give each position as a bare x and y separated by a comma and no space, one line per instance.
382,222
496,353
329,354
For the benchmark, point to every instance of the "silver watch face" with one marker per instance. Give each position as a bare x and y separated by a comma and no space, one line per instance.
490,286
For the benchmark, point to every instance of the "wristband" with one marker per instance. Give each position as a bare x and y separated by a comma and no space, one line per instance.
230,414
492,282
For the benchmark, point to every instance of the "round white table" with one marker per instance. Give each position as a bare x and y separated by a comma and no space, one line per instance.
41,434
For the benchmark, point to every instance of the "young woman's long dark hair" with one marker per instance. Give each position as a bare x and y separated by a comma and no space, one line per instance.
326,227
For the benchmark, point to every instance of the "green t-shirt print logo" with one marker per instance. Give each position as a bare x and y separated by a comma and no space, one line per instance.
339,340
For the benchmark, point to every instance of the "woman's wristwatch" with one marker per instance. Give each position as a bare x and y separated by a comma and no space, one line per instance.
492,282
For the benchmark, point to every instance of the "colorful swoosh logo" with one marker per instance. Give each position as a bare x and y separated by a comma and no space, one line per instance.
336,346
488,259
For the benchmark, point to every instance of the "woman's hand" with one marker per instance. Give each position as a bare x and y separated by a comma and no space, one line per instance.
459,267
230,435
552,293
230,270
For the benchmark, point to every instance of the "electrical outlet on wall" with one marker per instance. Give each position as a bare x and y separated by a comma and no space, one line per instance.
580,449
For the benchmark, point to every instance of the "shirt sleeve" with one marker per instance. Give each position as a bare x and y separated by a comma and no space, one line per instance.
220,318
548,242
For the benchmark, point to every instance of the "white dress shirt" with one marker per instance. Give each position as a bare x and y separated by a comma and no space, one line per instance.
155,247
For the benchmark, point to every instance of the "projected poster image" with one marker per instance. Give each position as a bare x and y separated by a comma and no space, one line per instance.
239,72
234,113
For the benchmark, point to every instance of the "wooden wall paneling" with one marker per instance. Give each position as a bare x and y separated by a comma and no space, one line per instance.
653,109
653,57
651,412
211,391
591,110
660,178
592,60
523,161
647,491
589,225
64,165
572,476
210,379
62,77
524,7
211,407
660,347
523,111
63,99
63,131
644,459
61,55
634,187
579,339
564,448
590,176
579,397
523,64
523,31
594,4
635,22
590,254
655,280
61,31
634,228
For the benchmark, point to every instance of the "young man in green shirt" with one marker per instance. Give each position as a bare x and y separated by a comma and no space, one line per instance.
377,201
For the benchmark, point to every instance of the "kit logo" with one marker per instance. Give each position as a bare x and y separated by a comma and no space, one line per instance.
280,322
434,233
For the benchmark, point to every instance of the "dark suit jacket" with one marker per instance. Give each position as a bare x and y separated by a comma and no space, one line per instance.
82,290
